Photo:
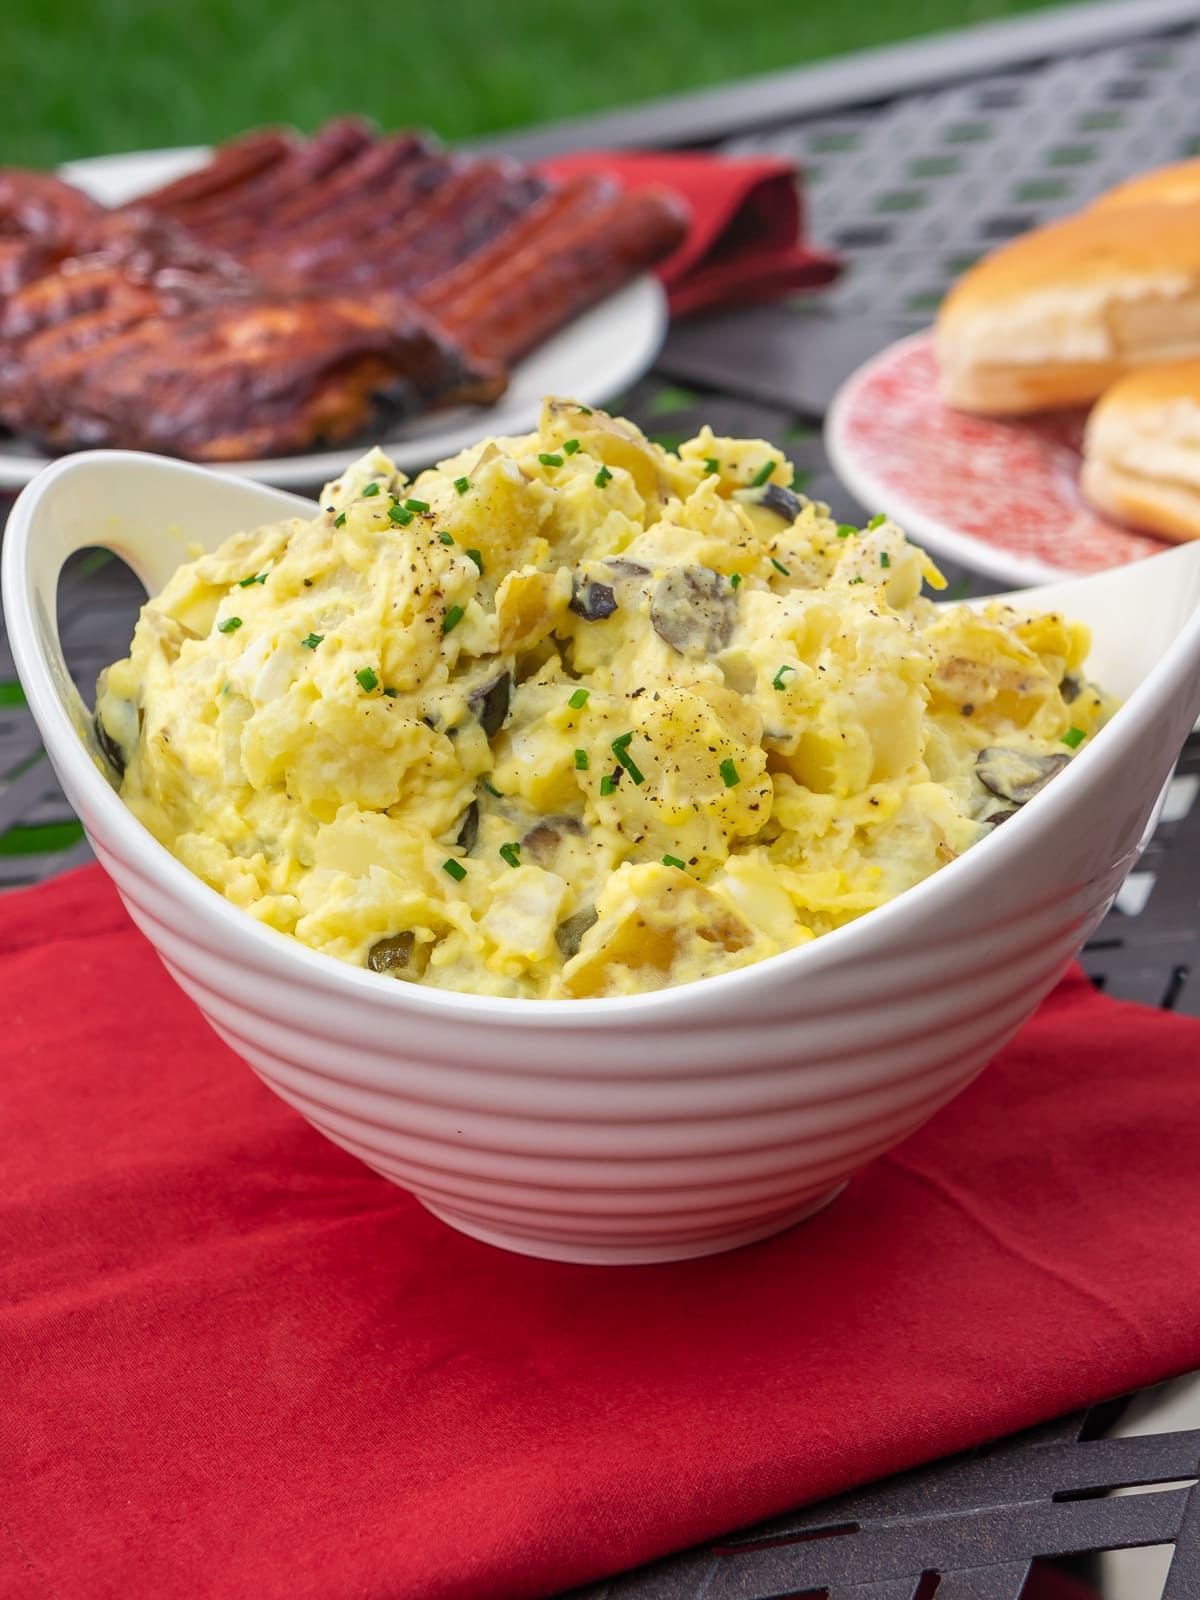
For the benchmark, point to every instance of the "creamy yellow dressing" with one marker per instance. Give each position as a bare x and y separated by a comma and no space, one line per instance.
572,715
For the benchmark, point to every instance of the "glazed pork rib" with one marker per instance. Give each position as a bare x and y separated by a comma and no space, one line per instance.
152,342
233,380
37,205
233,164
396,214
42,220
558,274
248,200
495,251
297,291
468,209
379,169
347,224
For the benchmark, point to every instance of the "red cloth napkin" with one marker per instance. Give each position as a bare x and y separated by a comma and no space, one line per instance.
234,1362
745,243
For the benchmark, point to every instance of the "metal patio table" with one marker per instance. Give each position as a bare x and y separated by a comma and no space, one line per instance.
918,158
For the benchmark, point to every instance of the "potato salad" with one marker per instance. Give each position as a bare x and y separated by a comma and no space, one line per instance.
573,715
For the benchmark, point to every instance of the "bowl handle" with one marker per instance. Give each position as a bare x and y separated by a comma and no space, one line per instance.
153,512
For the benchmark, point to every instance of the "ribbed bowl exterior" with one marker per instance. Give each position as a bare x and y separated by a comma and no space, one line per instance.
639,1140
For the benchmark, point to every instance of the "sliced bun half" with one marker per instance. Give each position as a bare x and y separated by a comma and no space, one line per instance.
1142,451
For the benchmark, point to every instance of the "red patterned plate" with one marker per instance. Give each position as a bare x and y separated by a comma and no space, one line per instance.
1001,497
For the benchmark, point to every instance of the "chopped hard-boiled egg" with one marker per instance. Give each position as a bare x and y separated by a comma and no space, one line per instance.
574,715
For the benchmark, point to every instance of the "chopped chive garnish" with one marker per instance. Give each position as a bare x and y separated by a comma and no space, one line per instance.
400,515
885,560
511,853
609,782
581,760
585,411
366,679
877,521
260,577
734,579
416,505
455,868
312,641
777,680
391,693
462,484
446,538
492,789
856,580
339,520
371,489
570,446
620,748
711,465
476,558
846,530
673,861
730,773
549,459
1074,737
602,477
579,699
779,567
763,473
230,625
452,618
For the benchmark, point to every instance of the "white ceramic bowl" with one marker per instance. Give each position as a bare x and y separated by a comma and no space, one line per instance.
662,1125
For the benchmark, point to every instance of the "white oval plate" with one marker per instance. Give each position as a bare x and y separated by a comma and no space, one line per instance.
998,494
592,359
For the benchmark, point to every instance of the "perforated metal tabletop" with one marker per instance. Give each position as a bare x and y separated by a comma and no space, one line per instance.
917,161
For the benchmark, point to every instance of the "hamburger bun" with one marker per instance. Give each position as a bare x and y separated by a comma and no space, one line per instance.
1176,185
1057,316
1142,451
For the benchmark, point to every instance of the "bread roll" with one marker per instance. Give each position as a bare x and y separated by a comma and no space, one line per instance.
1176,185
1142,451
1055,317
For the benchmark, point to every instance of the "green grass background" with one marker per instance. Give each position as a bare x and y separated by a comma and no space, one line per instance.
88,77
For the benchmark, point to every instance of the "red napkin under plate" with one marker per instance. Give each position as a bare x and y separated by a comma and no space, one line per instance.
234,1362
745,243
